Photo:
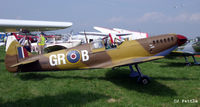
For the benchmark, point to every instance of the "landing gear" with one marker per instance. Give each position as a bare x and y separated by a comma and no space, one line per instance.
195,62
143,79
188,63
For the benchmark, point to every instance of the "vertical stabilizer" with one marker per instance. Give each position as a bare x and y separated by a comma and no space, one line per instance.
14,54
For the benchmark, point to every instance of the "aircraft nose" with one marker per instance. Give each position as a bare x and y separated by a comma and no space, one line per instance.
181,39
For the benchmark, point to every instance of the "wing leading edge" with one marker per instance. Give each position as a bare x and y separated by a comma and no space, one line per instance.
11,25
134,61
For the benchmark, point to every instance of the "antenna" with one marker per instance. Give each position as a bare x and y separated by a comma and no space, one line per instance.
86,39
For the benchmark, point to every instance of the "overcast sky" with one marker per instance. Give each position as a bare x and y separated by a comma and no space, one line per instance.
151,16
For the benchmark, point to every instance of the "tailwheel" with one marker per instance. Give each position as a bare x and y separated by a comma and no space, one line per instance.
144,80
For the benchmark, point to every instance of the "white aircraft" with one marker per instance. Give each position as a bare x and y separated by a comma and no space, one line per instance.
12,25
115,35
2,43
87,38
95,36
132,34
52,44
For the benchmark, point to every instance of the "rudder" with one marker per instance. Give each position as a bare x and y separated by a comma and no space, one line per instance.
14,54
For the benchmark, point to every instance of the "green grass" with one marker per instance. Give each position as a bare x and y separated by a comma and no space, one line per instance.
170,80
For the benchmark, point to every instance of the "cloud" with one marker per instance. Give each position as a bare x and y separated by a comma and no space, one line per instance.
152,16
163,18
195,17
115,19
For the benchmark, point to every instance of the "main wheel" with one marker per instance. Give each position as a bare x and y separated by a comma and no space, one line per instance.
144,80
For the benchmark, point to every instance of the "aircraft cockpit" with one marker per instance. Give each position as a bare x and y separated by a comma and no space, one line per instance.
106,44
97,45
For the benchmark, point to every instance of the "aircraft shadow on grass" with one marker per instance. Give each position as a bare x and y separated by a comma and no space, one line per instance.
73,98
176,64
1,60
119,77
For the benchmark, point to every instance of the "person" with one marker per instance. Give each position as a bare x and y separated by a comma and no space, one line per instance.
41,43
27,44
5,39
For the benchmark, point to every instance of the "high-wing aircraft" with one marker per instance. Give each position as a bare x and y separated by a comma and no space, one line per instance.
53,45
132,34
12,25
190,48
115,35
113,40
94,55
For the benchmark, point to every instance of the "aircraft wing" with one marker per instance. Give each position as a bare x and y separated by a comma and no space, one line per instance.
186,52
138,34
102,34
94,33
189,49
134,61
105,30
10,25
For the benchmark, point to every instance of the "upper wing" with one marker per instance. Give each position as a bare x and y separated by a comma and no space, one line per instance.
134,61
105,30
94,33
133,33
8,25
102,34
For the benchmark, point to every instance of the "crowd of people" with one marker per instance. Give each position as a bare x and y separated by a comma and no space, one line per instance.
40,43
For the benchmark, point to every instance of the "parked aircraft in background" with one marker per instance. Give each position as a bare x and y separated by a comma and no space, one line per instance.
53,45
26,26
108,37
33,37
191,48
94,55
2,35
85,38
132,34
115,35
12,25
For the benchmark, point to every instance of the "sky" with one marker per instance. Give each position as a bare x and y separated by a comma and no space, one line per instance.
152,16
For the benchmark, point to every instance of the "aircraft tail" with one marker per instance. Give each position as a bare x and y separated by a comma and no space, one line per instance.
14,54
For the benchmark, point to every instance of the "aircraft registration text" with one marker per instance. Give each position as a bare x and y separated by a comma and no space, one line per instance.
72,56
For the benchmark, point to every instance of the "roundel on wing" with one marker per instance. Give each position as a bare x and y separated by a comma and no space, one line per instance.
73,56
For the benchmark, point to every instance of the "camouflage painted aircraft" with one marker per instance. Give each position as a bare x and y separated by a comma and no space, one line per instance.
190,48
94,55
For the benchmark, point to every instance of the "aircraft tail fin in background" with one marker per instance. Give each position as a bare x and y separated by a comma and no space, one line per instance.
9,40
14,54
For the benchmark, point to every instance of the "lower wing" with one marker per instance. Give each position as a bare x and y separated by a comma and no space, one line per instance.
134,60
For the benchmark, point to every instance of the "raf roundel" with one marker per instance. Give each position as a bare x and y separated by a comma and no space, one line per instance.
73,56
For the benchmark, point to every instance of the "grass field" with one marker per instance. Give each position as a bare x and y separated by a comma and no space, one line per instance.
171,81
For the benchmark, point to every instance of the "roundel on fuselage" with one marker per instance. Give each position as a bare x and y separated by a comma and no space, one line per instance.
73,56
